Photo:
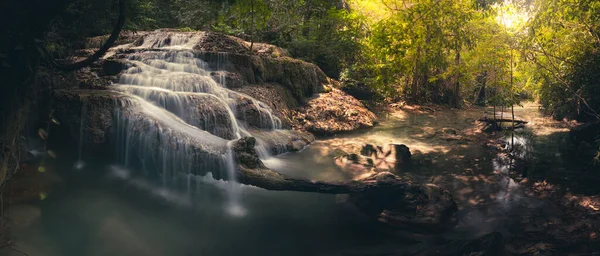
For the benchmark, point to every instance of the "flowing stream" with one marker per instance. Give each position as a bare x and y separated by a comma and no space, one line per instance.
167,196
96,214
179,91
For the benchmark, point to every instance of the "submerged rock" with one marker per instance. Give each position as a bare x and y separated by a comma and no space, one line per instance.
375,159
420,208
381,196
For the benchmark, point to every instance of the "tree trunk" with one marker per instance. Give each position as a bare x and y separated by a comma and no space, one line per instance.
481,95
512,100
457,77
415,81
252,27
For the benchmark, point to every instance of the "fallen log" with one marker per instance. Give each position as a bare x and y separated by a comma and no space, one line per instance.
502,120
382,196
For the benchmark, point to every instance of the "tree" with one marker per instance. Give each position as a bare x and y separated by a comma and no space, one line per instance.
563,35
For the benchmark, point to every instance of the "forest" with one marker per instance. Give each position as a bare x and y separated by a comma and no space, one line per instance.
322,127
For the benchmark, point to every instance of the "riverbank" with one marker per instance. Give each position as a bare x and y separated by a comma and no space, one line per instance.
564,215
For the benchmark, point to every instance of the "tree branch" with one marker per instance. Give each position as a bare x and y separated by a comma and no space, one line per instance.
565,83
109,42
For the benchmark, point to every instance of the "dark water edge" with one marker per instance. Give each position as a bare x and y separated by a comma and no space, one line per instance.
93,214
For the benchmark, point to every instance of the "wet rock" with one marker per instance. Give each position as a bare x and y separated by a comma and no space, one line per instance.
282,141
421,208
297,146
245,153
398,153
276,97
232,54
98,119
370,150
450,131
229,79
112,67
256,114
356,159
88,78
373,159
328,113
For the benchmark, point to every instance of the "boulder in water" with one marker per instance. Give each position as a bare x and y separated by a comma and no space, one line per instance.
246,154
420,208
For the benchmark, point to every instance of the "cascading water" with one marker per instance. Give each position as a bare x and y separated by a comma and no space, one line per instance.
80,164
179,121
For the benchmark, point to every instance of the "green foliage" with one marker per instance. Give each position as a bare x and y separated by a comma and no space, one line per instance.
563,42
444,51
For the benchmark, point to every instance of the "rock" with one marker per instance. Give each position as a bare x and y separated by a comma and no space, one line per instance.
278,98
369,150
297,145
355,159
328,113
449,131
246,154
398,153
333,112
112,67
282,141
89,79
255,114
375,159
98,119
229,79
421,208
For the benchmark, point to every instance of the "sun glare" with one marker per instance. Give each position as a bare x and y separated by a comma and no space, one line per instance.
510,17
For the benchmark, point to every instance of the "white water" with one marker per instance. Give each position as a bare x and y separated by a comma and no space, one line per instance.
180,120
80,164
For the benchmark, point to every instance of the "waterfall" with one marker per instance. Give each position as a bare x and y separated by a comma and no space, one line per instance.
233,207
80,164
179,121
